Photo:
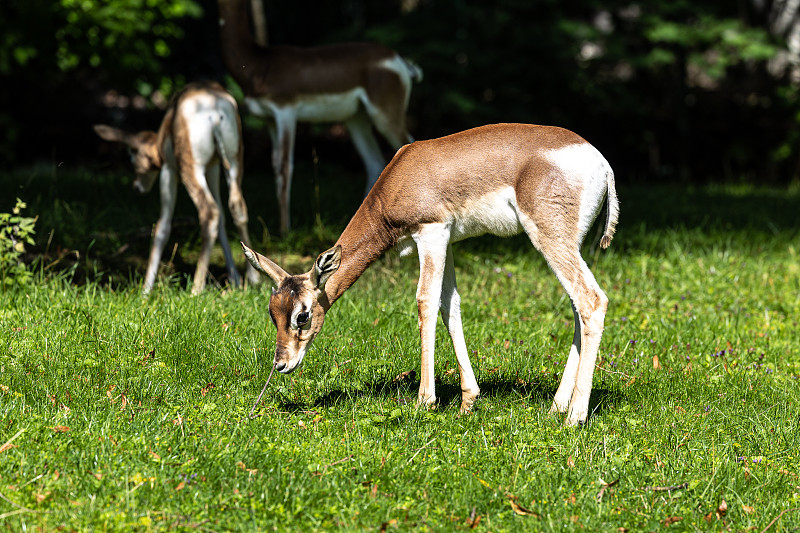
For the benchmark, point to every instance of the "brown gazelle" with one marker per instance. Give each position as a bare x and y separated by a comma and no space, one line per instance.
200,130
501,179
359,84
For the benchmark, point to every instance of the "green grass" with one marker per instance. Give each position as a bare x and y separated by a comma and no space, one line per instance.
121,412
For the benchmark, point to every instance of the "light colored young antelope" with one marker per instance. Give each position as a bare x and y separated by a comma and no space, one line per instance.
500,179
200,131
360,84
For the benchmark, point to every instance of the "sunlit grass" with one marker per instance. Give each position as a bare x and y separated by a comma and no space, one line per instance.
121,412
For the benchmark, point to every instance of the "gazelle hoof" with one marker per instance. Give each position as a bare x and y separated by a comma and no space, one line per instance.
468,403
575,419
426,402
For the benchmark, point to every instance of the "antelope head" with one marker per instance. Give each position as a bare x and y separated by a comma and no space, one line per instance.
297,305
143,149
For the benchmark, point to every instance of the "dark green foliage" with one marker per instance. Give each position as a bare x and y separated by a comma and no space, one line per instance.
667,90
57,57
15,232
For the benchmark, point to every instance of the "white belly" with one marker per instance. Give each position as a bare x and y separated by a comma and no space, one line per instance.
494,213
313,108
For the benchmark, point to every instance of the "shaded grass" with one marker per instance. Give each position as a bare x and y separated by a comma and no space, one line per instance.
123,412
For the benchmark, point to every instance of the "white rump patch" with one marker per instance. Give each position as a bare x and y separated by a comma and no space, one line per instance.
585,169
204,112
397,65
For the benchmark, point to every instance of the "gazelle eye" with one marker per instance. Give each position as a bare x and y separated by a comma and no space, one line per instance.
302,318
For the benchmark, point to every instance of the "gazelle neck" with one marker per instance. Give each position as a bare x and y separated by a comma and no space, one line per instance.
363,241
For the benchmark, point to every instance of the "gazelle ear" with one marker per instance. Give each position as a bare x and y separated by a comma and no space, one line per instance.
116,135
326,264
264,265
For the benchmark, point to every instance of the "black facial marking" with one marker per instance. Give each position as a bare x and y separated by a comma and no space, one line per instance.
291,285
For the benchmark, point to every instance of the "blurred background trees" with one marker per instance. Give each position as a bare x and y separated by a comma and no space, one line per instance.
668,90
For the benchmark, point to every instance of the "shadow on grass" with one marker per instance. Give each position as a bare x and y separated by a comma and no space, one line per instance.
501,391
91,227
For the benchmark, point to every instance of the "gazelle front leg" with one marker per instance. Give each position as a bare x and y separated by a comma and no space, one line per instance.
432,241
451,316
168,187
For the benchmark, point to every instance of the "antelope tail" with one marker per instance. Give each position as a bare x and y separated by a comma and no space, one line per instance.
223,155
414,70
613,210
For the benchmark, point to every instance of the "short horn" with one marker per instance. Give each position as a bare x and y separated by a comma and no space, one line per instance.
264,265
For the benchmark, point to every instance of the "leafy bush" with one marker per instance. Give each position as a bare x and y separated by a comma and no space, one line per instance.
15,232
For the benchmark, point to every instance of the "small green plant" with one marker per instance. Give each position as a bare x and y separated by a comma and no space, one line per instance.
15,232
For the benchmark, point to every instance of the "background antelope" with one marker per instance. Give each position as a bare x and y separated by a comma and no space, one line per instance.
200,130
359,84
500,179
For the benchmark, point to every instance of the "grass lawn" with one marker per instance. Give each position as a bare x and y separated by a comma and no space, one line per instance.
119,412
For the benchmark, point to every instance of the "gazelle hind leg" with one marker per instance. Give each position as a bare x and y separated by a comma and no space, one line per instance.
564,392
208,213
282,136
230,264
367,146
451,316
388,114
592,306
238,209
431,241
589,305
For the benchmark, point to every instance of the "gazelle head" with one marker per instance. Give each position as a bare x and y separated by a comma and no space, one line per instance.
295,307
143,149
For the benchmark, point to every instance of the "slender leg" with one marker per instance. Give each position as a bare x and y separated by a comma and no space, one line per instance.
564,392
168,187
392,129
209,215
238,209
212,175
592,308
590,304
388,114
451,316
283,162
431,243
360,129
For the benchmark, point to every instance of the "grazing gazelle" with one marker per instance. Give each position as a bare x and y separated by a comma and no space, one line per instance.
501,179
200,131
360,84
